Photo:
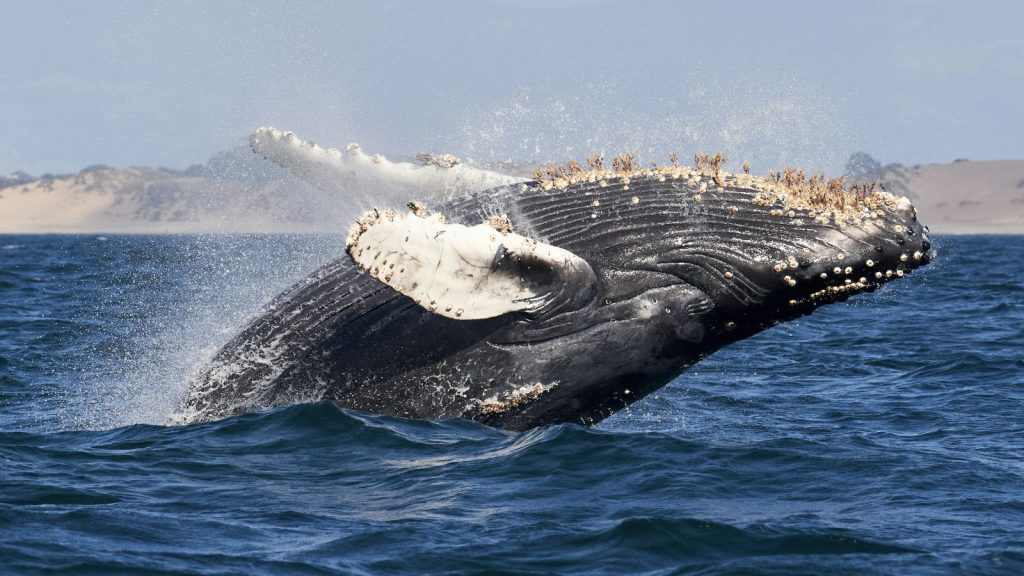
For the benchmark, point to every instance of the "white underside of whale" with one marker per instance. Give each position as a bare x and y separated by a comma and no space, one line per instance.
457,271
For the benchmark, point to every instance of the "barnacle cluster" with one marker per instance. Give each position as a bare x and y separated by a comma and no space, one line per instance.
499,222
439,160
515,398
823,198
790,192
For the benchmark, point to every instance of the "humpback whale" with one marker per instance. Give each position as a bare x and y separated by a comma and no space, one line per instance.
564,297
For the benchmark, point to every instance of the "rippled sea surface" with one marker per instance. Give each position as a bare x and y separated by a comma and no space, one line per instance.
880,436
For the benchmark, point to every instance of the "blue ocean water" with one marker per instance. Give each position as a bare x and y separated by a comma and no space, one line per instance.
880,436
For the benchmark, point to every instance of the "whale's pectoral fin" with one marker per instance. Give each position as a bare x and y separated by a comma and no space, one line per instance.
469,272
350,170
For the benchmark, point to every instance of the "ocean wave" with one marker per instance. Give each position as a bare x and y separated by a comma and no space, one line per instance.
879,436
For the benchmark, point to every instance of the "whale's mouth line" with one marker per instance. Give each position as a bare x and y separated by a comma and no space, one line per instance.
565,326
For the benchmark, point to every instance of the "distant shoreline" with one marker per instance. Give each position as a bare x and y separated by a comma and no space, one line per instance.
238,193
4,234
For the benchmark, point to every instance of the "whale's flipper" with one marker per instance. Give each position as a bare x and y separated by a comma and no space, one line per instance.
352,170
468,272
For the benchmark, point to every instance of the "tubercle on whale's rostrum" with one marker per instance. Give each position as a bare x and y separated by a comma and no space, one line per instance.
818,197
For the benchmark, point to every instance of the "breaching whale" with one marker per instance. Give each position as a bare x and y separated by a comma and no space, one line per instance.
562,298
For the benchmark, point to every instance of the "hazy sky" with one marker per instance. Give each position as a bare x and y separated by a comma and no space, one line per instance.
169,83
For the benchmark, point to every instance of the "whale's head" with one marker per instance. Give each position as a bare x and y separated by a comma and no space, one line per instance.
690,260
766,251
761,250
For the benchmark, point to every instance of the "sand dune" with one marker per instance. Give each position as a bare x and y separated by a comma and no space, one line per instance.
967,197
146,200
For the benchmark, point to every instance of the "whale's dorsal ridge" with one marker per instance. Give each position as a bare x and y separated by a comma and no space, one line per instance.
468,272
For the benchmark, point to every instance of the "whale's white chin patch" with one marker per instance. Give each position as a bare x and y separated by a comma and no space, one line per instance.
464,272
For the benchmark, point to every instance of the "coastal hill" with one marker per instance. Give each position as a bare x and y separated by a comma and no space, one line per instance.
964,197
236,191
